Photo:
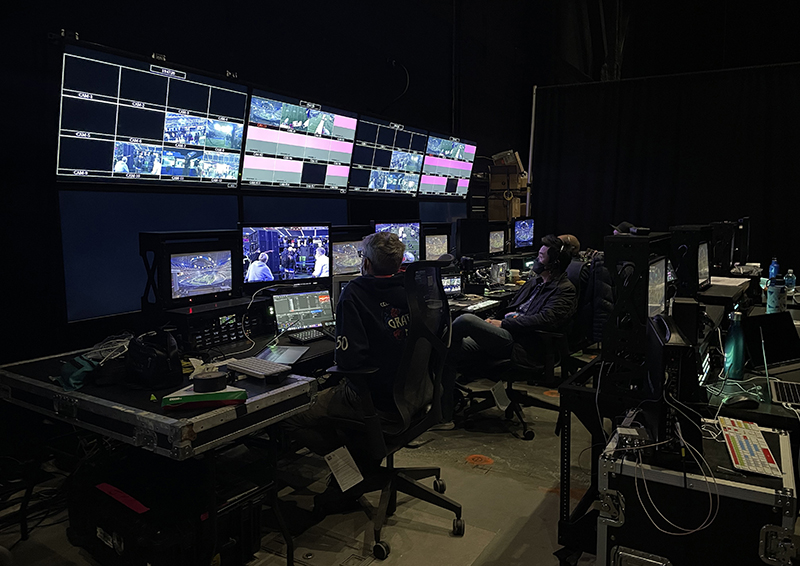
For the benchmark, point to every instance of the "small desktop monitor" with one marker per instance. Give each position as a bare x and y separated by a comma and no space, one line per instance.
497,238
297,145
387,158
452,284
703,270
275,252
472,237
346,257
200,273
298,311
408,232
657,287
436,245
447,167
523,235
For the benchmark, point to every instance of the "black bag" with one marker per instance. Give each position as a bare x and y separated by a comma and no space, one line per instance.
153,361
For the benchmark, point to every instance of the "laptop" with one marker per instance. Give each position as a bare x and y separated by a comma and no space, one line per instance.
283,354
781,343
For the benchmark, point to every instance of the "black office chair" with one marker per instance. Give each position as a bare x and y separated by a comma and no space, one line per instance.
417,395
555,352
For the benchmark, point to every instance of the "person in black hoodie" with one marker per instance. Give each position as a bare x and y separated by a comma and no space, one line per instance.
546,302
371,328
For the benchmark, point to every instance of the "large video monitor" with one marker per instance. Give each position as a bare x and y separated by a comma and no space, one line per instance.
472,237
274,252
124,120
447,167
346,257
408,232
523,235
387,157
296,144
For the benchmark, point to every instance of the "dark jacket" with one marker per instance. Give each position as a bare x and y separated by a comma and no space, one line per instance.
600,294
371,328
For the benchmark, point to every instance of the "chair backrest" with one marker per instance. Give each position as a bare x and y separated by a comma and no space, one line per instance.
417,385
578,274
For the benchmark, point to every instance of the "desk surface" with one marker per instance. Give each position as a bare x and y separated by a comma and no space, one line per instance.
129,415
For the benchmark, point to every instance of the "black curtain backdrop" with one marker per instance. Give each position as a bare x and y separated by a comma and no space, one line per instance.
681,149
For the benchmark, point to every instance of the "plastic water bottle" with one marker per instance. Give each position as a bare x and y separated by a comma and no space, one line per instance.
790,281
734,348
776,295
774,268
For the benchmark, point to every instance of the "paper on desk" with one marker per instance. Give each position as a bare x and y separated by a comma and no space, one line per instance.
729,281
344,468
500,396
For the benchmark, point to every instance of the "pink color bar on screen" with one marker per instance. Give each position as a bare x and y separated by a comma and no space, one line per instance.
253,162
463,183
344,122
262,134
272,164
441,162
469,149
341,146
431,180
290,138
287,165
338,171
317,143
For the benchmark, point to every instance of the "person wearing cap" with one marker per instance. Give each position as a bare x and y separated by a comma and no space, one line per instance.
572,243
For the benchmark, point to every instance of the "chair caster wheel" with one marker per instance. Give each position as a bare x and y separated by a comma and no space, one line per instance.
528,435
380,550
458,527
439,486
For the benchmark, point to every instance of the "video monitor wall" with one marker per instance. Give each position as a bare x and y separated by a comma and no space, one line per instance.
295,144
132,120
387,157
408,232
447,167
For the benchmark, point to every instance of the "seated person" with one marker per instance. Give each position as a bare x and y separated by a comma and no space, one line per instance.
370,316
259,270
546,302
572,243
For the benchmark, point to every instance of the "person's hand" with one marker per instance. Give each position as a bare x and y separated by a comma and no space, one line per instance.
495,322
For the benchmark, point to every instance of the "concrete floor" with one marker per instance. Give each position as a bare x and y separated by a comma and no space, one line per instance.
510,505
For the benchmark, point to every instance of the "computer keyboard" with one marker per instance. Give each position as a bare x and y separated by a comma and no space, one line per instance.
748,450
304,336
482,305
256,367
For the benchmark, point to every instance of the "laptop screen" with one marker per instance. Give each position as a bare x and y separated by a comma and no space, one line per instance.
302,310
781,341
451,284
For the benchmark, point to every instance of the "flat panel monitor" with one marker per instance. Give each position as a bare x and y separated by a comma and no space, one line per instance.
447,166
296,144
497,240
657,287
523,235
452,284
472,237
285,253
202,273
346,257
338,285
387,157
436,245
408,232
703,270
298,311
124,120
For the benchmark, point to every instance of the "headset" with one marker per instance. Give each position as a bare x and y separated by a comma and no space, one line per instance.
557,255
153,361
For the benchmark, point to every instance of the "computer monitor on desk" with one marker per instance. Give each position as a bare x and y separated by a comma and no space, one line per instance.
452,284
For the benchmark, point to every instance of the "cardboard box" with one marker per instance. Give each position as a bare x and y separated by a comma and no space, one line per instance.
499,208
505,178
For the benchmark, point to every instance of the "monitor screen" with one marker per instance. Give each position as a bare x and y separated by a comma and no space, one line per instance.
436,245
447,166
203,273
387,157
451,284
523,233
134,121
302,310
408,232
284,253
657,288
295,144
346,257
497,241
703,273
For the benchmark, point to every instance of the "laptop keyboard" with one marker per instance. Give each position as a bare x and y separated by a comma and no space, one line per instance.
786,392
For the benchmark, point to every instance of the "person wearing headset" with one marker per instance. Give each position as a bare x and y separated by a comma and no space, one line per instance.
546,302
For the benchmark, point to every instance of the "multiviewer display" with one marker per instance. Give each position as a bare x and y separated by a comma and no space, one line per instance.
132,120
198,274
282,253
387,157
435,246
346,257
408,233
447,166
296,144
